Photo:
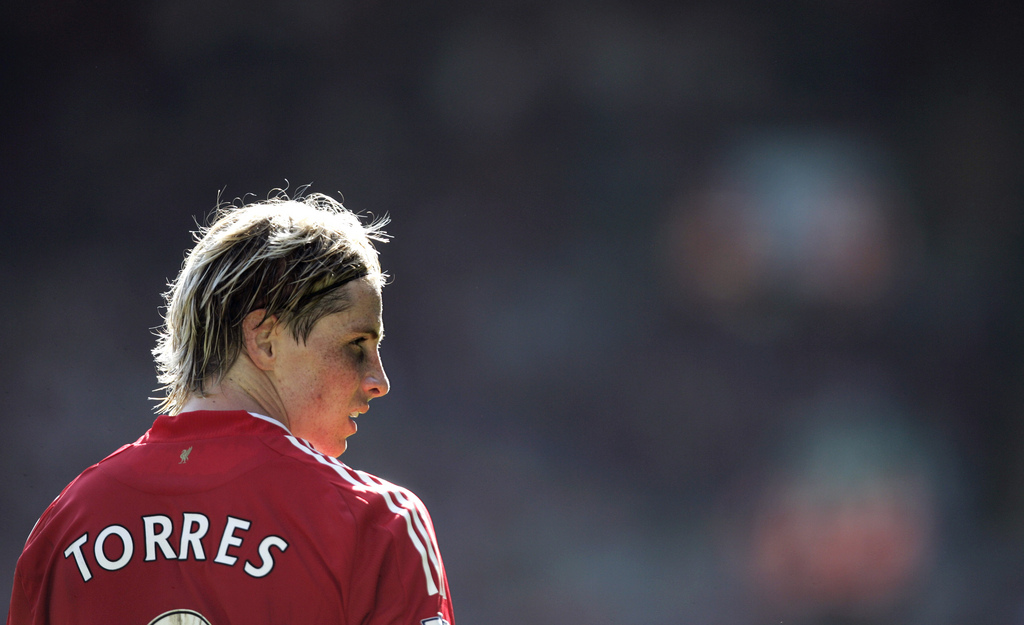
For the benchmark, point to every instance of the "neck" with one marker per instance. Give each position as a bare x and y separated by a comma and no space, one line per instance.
243,388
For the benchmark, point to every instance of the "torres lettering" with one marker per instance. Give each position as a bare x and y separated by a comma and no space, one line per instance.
115,546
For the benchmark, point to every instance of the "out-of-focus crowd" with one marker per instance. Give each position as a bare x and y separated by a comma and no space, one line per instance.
699,313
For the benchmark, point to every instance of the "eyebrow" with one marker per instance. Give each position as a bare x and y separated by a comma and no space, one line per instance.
372,331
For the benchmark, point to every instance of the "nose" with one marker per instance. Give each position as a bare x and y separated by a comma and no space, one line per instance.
376,383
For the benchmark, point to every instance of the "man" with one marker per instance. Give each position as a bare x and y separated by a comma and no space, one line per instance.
232,508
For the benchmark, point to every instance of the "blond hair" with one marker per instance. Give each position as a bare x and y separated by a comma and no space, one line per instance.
285,256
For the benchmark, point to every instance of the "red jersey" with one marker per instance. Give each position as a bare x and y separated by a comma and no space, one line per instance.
226,518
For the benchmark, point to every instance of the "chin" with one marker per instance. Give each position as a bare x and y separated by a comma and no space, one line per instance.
333,450
337,449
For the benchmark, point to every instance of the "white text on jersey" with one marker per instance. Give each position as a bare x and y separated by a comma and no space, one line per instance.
156,535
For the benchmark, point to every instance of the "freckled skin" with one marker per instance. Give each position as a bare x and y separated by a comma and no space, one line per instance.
335,373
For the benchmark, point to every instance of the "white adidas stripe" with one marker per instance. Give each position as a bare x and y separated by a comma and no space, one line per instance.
417,530
425,530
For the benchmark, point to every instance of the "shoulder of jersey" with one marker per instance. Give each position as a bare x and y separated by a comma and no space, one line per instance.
406,516
360,482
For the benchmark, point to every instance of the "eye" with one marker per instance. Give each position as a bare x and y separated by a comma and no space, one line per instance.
358,347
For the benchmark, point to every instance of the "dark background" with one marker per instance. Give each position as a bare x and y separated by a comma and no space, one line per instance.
701,312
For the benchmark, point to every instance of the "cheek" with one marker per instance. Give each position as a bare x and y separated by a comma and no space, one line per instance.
310,386
337,375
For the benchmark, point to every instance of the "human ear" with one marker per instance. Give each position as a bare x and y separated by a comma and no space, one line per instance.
258,333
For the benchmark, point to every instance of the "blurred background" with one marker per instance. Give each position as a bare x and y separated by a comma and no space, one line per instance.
701,312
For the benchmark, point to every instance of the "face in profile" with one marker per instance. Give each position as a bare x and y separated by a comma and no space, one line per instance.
326,382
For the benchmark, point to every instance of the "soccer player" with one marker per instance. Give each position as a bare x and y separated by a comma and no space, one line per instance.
232,508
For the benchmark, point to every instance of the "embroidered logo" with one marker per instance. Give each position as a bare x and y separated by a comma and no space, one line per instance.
180,617
184,455
437,620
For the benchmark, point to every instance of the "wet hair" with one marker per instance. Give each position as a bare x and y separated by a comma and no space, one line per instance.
285,256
